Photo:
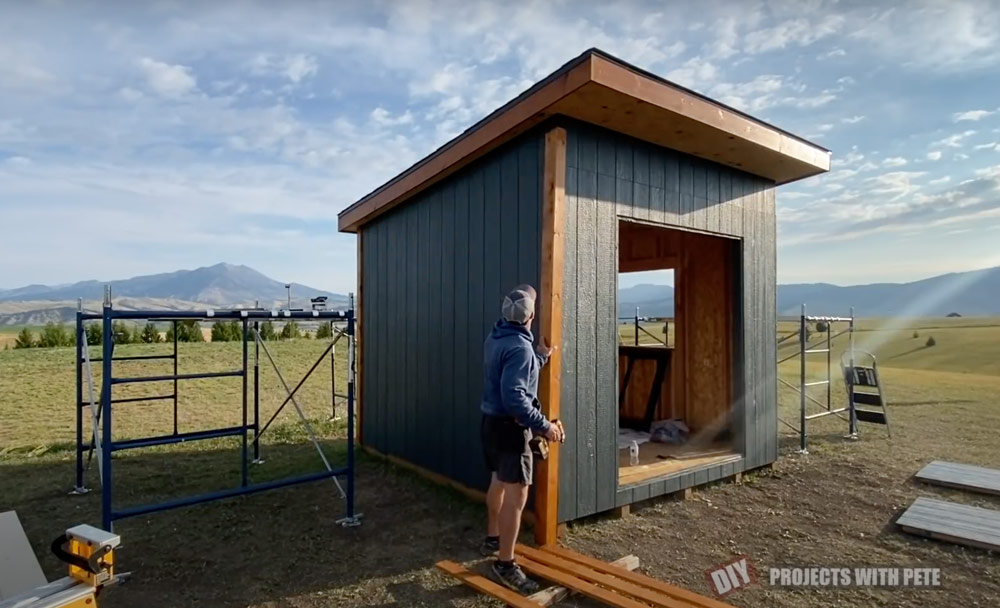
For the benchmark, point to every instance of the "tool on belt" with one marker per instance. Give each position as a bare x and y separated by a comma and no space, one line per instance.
540,445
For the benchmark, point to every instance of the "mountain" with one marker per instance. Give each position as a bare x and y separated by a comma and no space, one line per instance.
652,300
221,285
975,293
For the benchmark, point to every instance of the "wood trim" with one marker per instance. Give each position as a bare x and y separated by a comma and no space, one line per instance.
556,594
484,585
553,225
790,158
466,148
359,369
676,592
475,495
551,560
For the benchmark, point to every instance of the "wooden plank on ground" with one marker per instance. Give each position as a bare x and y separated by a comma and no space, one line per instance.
679,593
952,522
579,585
555,594
608,581
961,476
485,585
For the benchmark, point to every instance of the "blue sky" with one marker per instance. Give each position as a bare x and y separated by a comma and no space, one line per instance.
138,139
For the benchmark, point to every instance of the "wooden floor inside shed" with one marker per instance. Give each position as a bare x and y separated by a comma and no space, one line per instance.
661,459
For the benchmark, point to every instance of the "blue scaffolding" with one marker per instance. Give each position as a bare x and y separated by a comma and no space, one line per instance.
103,444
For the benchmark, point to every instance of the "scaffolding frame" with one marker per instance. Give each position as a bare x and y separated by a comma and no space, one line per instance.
803,387
102,443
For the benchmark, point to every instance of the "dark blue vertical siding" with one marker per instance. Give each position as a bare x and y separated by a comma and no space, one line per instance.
435,273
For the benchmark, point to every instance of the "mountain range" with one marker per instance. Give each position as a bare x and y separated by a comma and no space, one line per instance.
975,293
221,285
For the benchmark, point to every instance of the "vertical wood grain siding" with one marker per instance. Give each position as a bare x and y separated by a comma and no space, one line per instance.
435,273
610,175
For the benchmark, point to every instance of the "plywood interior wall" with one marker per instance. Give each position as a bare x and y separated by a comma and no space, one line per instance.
700,377
636,400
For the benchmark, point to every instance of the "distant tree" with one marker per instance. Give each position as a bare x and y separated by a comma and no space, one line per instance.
187,331
95,334
954,314
931,342
916,334
150,334
822,326
267,331
323,331
54,335
24,339
290,331
121,332
226,331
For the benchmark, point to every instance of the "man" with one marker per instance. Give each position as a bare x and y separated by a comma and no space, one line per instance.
511,413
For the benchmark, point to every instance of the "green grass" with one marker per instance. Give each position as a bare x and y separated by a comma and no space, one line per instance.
37,390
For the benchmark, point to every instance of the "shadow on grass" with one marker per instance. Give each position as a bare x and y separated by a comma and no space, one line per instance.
266,547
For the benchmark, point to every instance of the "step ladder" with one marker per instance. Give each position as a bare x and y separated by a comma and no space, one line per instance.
865,394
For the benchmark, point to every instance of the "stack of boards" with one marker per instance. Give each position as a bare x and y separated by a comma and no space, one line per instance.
610,584
953,522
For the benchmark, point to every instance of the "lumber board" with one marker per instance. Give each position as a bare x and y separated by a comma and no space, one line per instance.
611,582
952,522
961,476
553,228
484,585
579,585
694,599
557,593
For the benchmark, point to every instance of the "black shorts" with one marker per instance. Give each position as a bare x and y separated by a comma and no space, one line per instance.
505,446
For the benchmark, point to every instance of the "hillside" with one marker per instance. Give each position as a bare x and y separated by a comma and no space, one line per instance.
652,300
221,285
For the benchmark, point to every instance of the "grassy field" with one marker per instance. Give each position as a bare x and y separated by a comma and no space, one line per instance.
834,506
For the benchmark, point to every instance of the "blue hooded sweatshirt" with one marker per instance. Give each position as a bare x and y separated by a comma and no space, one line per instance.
511,366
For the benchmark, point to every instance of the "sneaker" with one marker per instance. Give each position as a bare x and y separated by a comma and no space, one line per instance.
489,547
512,576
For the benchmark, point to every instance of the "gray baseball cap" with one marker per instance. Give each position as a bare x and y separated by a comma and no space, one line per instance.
519,304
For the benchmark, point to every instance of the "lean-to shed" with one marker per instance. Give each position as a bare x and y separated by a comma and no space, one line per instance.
599,169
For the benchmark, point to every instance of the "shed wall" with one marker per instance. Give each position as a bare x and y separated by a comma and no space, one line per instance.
435,271
609,175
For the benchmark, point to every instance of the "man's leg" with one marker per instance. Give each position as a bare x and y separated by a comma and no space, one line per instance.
494,499
515,496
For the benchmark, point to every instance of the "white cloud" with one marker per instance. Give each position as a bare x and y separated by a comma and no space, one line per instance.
895,184
939,181
695,73
833,53
383,117
793,32
852,120
166,79
972,115
993,145
954,141
18,161
295,67
894,161
934,155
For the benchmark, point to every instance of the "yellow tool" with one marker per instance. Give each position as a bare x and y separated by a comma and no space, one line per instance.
89,552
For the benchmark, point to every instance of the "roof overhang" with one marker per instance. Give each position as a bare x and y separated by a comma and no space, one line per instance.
599,89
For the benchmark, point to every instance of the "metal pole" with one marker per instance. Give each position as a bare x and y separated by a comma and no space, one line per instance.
802,381
852,419
637,326
243,435
351,519
829,365
333,378
175,377
108,354
256,396
79,489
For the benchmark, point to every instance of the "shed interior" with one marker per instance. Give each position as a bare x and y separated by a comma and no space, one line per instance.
676,396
